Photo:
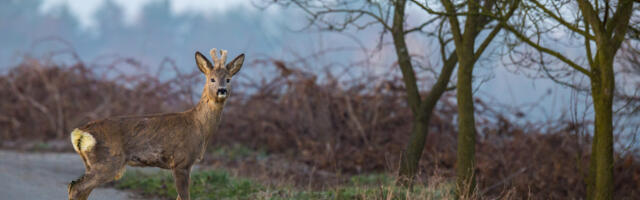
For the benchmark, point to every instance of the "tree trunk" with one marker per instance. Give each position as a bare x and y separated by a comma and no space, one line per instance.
466,158
591,178
411,156
422,110
466,130
602,91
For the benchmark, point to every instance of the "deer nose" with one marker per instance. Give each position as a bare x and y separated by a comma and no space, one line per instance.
222,91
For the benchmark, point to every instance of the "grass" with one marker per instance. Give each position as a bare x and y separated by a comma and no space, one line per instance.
218,184
204,185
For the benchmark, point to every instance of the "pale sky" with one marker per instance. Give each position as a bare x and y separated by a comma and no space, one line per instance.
85,10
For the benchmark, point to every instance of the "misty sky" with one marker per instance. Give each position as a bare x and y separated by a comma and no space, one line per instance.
151,30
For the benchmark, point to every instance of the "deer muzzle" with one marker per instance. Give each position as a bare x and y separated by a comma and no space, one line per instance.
222,93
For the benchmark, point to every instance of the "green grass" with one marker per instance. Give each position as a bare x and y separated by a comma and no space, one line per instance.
204,185
218,184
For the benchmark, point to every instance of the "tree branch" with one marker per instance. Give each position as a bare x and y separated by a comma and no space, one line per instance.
621,19
431,11
441,84
563,22
418,28
447,14
486,42
587,44
453,21
377,18
545,50
494,32
592,17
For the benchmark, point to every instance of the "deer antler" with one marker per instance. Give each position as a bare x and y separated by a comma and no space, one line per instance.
218,62
223,57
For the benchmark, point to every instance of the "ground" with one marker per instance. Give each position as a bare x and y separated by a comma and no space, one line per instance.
45,176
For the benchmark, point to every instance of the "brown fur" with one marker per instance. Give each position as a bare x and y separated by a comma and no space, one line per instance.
170,141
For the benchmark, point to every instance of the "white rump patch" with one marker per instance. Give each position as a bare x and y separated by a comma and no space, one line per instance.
81,140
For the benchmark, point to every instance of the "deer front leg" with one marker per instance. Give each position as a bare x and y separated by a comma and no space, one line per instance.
182,179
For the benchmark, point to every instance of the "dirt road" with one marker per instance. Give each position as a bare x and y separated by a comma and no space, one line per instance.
45,176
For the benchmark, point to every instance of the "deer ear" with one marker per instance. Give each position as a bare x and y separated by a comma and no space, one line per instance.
235,65
203,64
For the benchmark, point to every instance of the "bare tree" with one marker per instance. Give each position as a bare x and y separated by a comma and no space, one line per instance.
422,109
391,17
477,16
598,24
379,13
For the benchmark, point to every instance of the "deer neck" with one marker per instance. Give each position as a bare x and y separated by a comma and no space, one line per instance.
208,114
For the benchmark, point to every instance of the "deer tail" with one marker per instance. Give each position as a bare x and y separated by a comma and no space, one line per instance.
82,140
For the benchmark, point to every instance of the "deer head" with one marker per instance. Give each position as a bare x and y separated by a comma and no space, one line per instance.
218,85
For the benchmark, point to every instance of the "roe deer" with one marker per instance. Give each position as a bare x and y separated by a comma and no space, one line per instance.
171,141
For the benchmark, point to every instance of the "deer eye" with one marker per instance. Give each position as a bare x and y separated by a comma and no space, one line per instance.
228,80
213,80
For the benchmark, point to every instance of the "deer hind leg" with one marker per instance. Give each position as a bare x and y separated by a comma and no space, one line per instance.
100,166
100,172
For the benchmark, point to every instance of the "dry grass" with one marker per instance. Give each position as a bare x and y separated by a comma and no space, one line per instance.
317,133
